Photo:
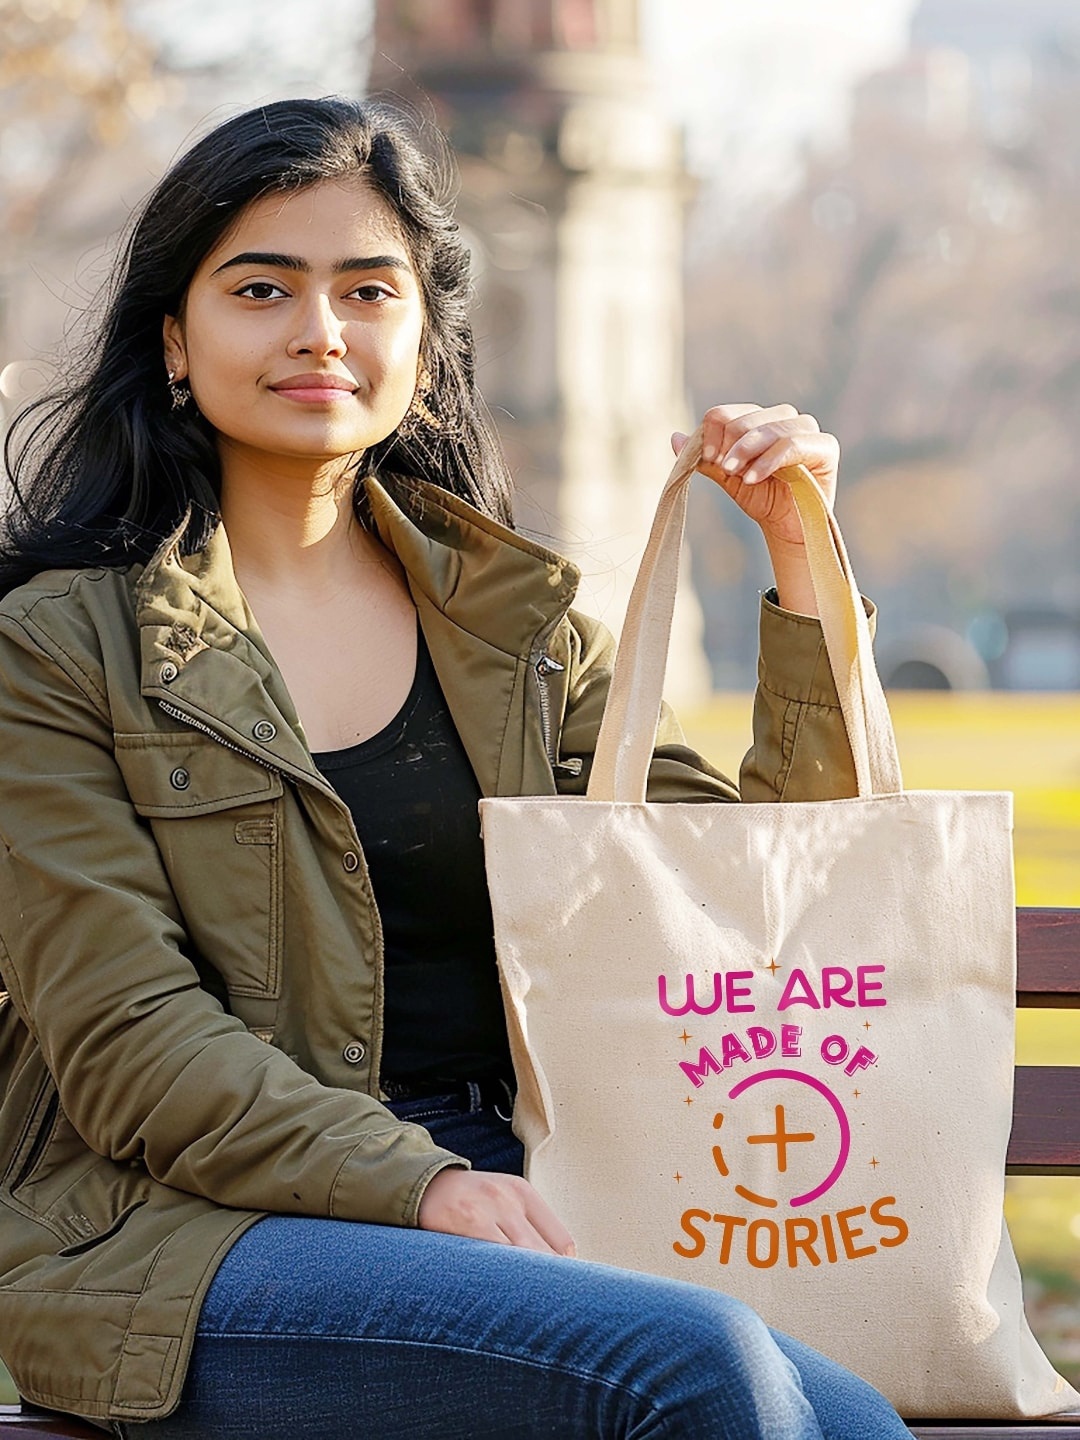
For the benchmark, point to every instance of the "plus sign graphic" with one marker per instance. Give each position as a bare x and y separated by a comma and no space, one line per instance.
783,1137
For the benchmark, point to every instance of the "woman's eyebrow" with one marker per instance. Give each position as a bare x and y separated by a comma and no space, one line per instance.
295,262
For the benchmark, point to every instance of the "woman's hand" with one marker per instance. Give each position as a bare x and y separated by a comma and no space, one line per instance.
492,1206
743,446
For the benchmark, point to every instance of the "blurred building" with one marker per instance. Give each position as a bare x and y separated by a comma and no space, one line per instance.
928,91
972,64
572,199
1008,44
985,29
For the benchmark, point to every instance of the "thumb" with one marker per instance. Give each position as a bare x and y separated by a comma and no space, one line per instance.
678,440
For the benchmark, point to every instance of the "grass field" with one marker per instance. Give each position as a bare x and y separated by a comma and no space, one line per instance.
1029,744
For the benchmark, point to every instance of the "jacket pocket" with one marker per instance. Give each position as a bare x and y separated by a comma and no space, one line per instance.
36,1134
216,817
56,1179
51,1176
80,1247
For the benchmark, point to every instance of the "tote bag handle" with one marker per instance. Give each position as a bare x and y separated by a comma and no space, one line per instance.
628,731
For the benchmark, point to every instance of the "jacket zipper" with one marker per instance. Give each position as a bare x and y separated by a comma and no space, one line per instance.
544,667
41,1140
206,729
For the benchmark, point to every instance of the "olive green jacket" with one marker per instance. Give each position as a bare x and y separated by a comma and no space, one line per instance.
188,941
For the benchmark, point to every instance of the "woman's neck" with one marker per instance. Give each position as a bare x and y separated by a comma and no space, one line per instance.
290,526
331,602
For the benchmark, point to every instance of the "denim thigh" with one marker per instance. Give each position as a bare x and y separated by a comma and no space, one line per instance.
333,1329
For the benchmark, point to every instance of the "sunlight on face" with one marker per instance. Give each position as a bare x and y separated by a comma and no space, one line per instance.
300,332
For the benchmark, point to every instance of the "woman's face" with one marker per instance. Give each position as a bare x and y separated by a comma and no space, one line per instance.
300,332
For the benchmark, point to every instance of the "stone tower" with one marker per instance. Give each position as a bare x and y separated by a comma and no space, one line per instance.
572,199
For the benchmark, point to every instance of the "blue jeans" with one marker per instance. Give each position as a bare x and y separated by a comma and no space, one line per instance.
331,1329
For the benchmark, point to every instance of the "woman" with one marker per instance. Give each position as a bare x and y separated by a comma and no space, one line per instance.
267,637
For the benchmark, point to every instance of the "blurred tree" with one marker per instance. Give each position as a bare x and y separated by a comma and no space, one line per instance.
919,294
75,75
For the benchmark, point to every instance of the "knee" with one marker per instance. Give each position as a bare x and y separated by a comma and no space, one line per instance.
718,1371
706,1327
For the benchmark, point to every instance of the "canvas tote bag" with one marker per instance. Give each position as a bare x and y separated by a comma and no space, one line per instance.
769,1048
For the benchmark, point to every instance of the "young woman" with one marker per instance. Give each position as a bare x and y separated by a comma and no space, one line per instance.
268,635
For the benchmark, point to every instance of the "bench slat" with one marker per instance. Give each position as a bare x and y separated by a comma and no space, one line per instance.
1067,1428
1048,957
30,1425
33,1424
1045,1136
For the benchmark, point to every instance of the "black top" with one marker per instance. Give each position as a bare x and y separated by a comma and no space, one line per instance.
413,798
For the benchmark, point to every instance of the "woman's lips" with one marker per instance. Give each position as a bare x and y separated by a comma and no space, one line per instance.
315,389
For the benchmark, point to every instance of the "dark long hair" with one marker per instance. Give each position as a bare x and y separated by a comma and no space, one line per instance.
103,468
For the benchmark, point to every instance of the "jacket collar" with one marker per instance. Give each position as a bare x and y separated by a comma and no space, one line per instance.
487,599
488,580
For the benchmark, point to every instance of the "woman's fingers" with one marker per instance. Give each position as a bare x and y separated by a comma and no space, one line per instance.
756,444
537,1229
547,1224
530,1223
734,436
752,440
743,446
504,1209
819,453
725,425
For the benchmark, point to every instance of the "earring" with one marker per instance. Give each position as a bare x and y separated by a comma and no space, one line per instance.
180,392
419,412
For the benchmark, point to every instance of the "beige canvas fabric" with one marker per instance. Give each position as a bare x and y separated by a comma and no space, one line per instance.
770,1048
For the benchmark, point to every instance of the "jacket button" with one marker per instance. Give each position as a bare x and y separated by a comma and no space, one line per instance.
351,861
180,779
169,672
264,730
354,1052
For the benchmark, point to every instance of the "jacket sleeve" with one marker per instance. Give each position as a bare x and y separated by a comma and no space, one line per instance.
800,748
148,1065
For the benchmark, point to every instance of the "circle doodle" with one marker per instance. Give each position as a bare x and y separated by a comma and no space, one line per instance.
841,1115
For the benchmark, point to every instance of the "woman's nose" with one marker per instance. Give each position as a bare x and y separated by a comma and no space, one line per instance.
320,331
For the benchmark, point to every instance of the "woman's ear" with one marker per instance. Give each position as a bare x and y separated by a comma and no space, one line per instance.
172,334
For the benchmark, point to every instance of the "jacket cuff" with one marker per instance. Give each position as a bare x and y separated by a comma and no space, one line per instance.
794,662
391,1194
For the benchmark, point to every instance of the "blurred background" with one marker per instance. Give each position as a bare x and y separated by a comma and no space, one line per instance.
869,211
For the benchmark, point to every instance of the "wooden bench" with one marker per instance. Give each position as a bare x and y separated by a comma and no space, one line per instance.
1045,1141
